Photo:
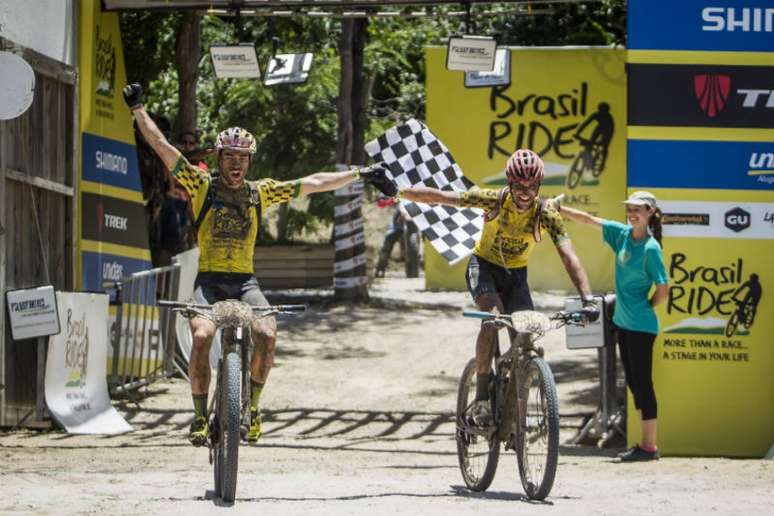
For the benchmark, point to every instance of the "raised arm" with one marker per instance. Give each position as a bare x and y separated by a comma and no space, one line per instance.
148,128
580,216
327,181
430,195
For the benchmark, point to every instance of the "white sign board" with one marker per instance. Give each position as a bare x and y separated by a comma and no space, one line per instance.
18,86
288,69
499,76
237,62
32,312
471,54
76,367
590,336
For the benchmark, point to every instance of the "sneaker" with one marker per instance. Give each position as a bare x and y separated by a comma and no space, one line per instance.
255,427
638,454
199,432
481,413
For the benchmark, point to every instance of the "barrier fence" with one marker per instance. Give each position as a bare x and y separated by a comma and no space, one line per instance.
142,335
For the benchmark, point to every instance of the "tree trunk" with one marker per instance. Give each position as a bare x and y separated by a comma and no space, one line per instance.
350,279
187,55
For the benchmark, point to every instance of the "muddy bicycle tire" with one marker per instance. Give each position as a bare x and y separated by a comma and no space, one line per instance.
227,448
472,449
537,446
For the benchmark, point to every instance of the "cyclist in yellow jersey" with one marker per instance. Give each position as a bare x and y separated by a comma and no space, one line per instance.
515,219
227,208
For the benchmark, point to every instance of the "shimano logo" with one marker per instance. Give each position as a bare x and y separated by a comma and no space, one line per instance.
757,98
743,19
115,222
737,219
112,162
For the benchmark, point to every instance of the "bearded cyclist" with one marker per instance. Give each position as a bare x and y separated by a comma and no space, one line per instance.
514,221
227,210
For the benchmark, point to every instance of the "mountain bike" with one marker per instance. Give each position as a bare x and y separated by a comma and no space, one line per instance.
592,157
524,405
229,410
744,314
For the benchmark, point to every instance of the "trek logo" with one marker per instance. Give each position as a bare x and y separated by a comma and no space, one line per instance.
757,98
712,91
737,219
115,222
745,19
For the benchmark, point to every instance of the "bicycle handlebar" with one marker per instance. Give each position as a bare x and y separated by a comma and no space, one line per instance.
196,306
576,318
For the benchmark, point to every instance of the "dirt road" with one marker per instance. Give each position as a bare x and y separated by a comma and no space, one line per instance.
359,420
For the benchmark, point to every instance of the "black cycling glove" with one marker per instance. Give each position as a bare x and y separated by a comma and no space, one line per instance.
377,175
591,309
133,95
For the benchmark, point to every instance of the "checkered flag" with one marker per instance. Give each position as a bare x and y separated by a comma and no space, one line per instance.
414,156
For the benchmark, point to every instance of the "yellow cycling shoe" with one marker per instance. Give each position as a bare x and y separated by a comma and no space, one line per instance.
255,427
199,431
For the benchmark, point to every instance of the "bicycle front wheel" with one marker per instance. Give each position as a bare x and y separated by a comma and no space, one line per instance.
227,448
732,324
538,438
576,171
477,453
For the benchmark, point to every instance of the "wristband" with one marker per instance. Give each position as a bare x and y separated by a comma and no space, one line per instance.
356,174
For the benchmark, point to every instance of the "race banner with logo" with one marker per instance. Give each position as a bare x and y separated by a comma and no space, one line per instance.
113,235
575,120
701,137
76,374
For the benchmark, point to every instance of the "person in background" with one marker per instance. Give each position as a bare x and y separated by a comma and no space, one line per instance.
639,264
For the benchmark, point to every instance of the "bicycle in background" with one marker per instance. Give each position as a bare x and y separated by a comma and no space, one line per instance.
592,157
229,411
524,403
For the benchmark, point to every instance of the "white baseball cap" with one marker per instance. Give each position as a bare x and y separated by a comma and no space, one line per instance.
642,198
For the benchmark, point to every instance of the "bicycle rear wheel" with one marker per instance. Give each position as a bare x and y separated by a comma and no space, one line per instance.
227,447
477,454
538,438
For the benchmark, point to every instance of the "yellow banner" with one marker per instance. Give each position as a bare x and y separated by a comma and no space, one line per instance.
713,359
103,75
575,119
112,230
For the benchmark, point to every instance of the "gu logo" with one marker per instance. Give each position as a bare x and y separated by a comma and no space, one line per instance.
712,92
737,219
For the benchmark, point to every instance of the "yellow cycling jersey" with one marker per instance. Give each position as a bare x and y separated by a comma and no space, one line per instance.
229,229
508,238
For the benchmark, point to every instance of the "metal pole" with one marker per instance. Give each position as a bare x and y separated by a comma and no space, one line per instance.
3,250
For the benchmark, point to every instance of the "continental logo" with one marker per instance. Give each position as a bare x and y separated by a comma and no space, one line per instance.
701,95
686,219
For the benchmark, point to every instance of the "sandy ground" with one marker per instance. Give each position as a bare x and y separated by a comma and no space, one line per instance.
359,418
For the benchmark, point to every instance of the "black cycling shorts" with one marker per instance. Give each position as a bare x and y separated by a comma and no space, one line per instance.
211,287
511,285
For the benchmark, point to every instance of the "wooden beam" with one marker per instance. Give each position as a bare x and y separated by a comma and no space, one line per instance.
41,63
39,182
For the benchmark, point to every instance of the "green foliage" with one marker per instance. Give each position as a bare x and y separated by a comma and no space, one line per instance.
296,125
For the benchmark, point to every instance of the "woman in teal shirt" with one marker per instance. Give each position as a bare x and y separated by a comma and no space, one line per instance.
639,264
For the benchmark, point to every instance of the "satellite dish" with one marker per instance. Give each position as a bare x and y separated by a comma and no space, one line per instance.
18,86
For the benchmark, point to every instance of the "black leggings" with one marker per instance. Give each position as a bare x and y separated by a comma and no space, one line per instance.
636,350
